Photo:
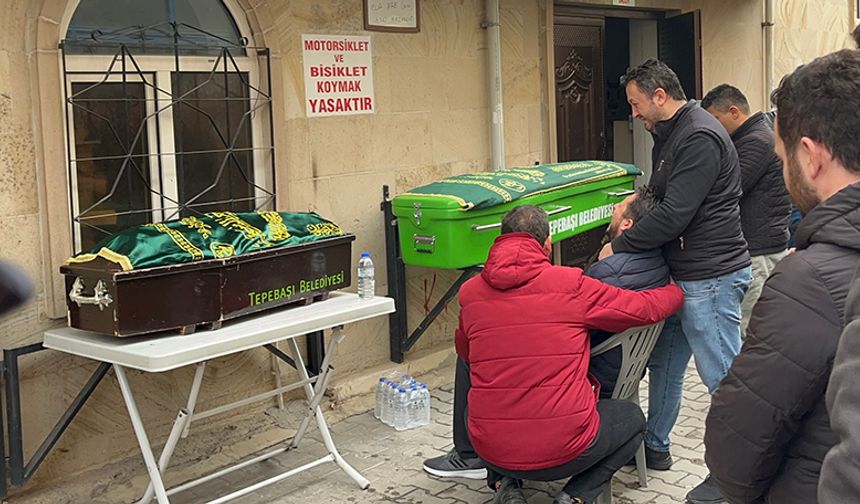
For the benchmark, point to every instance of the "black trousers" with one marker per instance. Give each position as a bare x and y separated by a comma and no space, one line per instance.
622,427
462,384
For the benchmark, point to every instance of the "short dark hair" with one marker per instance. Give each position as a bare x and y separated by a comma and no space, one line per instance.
820,100
654,74
723,97
856,35
527,219
645,202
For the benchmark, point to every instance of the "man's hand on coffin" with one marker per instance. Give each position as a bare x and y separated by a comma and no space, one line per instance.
605,252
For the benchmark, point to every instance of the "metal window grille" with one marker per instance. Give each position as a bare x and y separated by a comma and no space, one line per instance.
127,108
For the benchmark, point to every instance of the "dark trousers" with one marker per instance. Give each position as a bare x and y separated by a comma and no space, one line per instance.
622,426
462,384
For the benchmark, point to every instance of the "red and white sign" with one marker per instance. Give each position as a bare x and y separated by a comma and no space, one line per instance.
625,3
338,75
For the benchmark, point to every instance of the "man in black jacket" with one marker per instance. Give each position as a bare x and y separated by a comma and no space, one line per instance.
839,482
765,206
768,429
697,224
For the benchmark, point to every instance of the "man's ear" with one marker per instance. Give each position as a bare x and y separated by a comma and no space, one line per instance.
735,112
818,156
660,97
547,245
625,224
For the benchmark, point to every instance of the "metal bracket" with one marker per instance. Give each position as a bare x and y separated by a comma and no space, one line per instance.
20,473
400,340
416,213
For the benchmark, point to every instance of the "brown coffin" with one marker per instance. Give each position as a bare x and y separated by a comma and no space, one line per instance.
104,299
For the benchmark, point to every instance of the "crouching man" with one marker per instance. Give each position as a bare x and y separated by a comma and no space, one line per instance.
533,410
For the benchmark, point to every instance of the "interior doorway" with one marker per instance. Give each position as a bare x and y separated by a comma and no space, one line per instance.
592,48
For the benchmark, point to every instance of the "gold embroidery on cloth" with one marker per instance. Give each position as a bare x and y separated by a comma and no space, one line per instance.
277,229
104,253
192,222
506,196
181,241
324,229
222,250
232,221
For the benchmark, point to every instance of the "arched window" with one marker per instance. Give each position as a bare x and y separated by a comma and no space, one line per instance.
168,114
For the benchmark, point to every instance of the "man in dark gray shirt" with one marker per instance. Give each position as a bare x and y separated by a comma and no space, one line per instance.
765,207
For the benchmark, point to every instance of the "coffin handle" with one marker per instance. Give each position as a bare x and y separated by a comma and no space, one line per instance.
550,213
100,296
619,194
558,210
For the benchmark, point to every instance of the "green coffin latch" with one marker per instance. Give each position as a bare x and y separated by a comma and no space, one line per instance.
452,223
215,235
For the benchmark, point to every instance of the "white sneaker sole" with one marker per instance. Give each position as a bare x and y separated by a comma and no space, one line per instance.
476,474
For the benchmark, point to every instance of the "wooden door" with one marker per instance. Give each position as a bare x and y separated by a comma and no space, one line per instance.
680,47
579,88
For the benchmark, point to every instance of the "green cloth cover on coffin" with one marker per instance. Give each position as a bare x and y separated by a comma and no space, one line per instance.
215,235
474,191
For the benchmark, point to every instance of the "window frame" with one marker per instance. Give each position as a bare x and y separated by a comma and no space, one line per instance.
91,68
47,86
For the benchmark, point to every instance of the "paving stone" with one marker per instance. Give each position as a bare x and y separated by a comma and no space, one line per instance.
392,461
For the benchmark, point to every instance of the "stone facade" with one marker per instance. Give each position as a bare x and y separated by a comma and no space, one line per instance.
432,121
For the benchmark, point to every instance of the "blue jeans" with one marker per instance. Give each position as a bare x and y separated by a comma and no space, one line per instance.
707,327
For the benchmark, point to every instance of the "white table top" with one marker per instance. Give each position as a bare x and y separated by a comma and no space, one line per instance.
162,353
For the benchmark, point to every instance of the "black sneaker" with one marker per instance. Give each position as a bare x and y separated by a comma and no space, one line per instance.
509,493
451,465
706,493
656,460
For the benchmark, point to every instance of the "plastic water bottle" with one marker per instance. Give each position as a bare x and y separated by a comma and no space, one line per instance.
425,405
380,391
389,407
400,413
413,414
366,283
406,381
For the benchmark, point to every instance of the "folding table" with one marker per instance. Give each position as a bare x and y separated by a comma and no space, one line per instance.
156,354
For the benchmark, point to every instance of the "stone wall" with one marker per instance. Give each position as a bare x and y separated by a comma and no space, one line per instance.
432,121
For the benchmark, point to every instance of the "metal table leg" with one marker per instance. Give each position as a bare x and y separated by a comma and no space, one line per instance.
180,428
192,397
140,433
314,409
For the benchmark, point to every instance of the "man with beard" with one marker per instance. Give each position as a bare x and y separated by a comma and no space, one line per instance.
768,429
839,482
628,270
698,226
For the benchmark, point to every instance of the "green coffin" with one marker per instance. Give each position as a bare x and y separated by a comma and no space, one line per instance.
451,223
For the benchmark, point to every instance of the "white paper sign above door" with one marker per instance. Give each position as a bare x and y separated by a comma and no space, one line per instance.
624,3
392,15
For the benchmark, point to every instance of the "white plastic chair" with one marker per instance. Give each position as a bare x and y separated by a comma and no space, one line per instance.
636,346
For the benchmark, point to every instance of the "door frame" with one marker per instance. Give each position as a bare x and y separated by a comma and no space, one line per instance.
581,10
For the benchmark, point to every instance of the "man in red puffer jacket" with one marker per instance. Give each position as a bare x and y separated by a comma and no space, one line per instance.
533,411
